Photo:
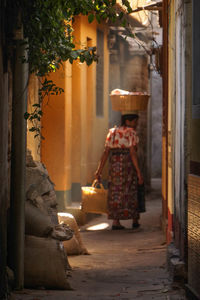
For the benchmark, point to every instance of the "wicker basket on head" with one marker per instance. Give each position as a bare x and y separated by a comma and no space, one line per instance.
129,102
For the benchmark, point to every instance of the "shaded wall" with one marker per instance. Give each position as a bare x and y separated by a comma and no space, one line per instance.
156,129
193,145
4,175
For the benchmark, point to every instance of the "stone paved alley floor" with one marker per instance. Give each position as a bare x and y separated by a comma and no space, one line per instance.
128,264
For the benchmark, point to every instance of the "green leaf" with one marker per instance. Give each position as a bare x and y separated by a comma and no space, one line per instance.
121,15
124,22
90,18
26,115
82,59
32,129
98,18
74,54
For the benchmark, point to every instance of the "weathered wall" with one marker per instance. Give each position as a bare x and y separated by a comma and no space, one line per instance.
193,147
156,129
171,78
176,125
193,17
156,104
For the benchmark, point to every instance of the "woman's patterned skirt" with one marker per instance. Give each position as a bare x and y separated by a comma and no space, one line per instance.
122,186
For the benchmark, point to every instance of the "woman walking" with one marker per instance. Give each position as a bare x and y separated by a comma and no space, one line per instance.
124,172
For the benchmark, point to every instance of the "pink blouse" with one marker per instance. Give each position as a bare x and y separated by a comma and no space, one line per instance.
121,137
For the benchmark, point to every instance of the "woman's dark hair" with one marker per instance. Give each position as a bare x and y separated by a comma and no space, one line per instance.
129,118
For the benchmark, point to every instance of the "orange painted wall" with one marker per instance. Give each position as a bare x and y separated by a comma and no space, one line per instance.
71,149
54,151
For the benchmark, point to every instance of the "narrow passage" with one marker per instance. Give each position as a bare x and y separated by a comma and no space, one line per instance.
125,264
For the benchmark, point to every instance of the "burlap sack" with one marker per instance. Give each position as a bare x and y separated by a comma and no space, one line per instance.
62,232
74,246
36,222
44,264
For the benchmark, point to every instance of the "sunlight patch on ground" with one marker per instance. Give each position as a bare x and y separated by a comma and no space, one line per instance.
66,215
100,226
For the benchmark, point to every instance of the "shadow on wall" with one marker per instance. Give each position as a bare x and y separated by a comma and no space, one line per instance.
156,102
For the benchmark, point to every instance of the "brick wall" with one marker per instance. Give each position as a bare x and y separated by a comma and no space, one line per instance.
194,233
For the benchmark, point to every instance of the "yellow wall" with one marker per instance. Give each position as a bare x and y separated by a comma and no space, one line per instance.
89,131
171,99
33,144
164,188
56,122
74,136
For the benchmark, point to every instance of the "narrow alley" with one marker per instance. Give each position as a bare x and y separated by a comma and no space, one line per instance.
104,90
128,264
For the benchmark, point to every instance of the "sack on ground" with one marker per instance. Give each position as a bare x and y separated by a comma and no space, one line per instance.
94,200
62,232
75,245
36,222
44,264
72,246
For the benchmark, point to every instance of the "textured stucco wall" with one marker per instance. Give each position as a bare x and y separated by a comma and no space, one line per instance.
156,142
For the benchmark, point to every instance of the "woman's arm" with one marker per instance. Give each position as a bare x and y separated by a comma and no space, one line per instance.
102,163
134,159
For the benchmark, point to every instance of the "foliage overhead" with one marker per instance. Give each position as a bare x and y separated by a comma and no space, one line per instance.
48,27
48,36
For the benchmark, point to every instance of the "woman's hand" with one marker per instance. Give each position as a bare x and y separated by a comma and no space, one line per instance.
99,170
134,158
97,175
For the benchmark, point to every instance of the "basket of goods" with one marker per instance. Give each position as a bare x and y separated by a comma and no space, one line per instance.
126,101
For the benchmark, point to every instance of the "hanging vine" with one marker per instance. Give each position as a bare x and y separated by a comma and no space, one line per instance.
48,36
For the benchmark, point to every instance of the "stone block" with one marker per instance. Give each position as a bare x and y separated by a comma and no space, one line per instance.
176,266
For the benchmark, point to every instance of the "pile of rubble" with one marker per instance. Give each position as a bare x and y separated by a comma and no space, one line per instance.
49,237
